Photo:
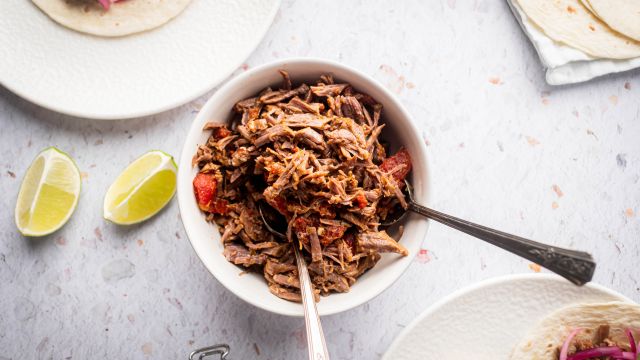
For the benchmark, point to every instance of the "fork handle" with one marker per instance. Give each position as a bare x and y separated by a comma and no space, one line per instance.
315,336
575,266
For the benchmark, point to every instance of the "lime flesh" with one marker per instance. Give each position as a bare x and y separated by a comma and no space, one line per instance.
48,195
142,189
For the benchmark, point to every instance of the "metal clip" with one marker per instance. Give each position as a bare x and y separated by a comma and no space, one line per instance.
219,349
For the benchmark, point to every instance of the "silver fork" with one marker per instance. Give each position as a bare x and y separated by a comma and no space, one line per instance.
315,336
575,266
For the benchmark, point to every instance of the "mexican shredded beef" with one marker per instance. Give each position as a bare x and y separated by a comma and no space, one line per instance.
599,346
313,154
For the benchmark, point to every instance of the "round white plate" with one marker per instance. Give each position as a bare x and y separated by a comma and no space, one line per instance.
131,76
485,321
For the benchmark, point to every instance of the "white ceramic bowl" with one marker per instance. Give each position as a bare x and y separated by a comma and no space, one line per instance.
205,238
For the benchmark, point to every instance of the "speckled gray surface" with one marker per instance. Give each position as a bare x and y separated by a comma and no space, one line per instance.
560,165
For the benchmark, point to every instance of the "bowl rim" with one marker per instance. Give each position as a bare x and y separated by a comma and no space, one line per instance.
184,165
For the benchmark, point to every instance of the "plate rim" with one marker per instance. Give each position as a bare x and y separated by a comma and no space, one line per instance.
127,115
482,284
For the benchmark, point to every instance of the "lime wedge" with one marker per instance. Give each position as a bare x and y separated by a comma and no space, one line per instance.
49,193
142,189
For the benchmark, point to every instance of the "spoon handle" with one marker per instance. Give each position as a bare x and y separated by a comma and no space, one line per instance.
575,266
315,336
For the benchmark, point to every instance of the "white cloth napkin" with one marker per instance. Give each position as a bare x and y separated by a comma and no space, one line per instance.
564,64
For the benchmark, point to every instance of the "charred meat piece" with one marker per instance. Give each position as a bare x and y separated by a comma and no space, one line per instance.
273,267
379,242
287,294
240,255
397,165
306,120
311,138
328,90
273,97
290,280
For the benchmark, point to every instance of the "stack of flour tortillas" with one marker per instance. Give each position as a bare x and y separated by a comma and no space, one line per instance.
578,40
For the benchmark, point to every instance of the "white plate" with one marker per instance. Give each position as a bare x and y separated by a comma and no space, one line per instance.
131,76
485,321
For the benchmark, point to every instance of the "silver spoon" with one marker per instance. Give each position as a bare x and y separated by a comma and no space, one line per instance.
315,336
575,266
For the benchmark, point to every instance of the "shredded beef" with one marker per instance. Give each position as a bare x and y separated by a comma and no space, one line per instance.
313,153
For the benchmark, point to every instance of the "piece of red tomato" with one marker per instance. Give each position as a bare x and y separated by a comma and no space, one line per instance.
204,188
399,163
221,132
331,233
219,206
361,201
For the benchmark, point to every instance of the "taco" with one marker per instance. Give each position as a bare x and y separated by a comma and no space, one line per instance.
111,17
605,331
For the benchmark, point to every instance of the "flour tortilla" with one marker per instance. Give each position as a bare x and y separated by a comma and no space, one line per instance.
543,342
588,6
569,22
622,16
123,18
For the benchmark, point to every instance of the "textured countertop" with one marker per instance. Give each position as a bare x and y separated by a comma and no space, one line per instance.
560,165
